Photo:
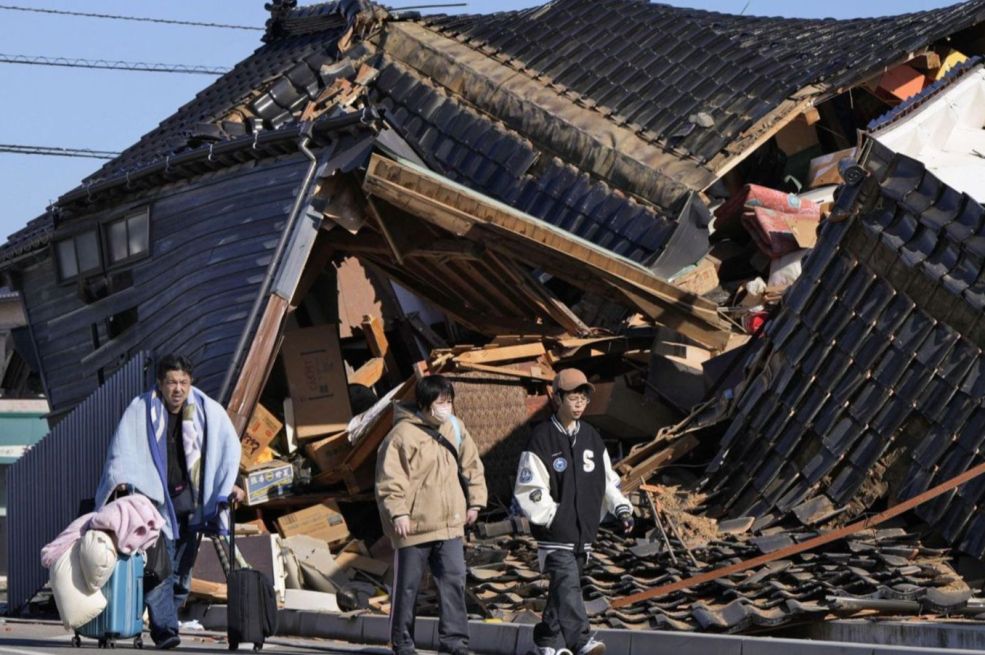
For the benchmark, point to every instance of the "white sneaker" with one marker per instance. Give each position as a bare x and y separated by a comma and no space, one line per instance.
592,647
550,650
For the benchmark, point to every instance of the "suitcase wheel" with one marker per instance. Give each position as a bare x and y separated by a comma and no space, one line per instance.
233,645
138,642
77,641
257,647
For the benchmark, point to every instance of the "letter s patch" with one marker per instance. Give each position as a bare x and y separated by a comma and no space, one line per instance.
588,461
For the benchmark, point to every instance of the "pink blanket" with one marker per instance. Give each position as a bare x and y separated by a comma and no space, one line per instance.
134,521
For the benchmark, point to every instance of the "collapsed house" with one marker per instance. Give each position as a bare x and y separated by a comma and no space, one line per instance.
629,188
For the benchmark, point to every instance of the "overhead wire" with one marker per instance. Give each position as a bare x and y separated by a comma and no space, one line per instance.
72,62
142,19
54,151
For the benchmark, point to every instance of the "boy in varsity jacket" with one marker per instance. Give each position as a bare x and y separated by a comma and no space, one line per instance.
565,485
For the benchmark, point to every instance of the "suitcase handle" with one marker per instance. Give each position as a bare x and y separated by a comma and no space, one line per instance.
128,490
229,504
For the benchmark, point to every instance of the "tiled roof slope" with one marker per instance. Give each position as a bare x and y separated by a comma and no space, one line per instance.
872,380
653,66
472,149
875,565
296,61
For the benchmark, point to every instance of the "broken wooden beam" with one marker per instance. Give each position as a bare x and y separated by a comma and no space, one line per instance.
259,360
502,354
369,373
633,477
535,372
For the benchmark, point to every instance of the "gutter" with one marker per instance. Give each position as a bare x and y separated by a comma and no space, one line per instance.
286,233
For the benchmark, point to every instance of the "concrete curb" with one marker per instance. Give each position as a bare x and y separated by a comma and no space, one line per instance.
514,639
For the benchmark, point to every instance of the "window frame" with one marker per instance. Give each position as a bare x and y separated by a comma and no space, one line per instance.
73,238
124,217
101,228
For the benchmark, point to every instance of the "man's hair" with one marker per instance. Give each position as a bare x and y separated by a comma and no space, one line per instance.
173,362
584,389
432,387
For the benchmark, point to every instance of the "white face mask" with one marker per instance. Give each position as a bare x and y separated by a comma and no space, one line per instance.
441,413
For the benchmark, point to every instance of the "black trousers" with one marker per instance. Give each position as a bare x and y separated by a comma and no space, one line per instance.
446,560
564,623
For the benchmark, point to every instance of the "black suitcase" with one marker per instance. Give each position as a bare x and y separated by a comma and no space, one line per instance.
251,612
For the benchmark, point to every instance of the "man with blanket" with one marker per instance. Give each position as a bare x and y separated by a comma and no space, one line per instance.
178,447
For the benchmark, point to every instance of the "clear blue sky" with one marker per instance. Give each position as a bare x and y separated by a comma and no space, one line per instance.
109,110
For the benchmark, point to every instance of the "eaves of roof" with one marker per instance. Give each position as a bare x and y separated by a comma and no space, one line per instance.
186,165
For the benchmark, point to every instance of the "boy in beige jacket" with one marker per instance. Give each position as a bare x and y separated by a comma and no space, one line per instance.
429,485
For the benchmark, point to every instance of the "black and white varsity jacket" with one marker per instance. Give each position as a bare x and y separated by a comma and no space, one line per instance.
565,485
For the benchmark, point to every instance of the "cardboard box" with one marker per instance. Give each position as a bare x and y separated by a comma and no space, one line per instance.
317,380
322,521
267,481
824,169
329,452
260,431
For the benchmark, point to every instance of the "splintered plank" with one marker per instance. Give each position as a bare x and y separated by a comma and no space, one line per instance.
375,337
535,372
502,354
258,363
369,373
635,476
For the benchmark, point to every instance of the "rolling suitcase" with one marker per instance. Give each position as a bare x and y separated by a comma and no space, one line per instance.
123,617
251,610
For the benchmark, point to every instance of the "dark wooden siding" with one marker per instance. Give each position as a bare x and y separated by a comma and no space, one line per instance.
211,243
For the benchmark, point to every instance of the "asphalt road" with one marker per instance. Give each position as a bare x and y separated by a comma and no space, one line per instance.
23,638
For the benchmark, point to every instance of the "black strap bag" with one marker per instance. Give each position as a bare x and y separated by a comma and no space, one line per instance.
440,438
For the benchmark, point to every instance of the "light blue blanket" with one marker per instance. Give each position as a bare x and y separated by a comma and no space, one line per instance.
133,458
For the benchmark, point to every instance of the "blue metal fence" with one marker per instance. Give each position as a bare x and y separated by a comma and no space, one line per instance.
47,484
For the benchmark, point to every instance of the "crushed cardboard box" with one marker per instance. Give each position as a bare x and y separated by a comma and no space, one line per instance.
262,429
322,521
267,481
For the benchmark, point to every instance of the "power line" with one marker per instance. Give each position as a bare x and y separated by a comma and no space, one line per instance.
57,152
142,19
104,64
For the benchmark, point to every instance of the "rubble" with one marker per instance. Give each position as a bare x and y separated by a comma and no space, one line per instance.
776,291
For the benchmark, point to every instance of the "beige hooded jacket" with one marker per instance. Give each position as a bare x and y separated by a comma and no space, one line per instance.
417,477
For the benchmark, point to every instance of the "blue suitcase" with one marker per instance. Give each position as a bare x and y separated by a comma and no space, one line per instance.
123,617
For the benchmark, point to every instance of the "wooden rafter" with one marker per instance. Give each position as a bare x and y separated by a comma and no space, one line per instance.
464,212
